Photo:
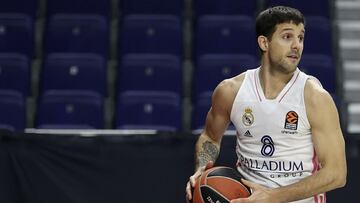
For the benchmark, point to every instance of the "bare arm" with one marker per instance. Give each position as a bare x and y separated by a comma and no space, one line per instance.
217,120
207,147
329,146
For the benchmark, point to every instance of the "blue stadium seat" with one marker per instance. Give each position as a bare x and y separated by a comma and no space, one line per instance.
72,71
213,68
16,34
101,7
307,7
202,104
173,7
224,7
158,72
160,34
321,67
318,38
28,7
201,107
15,73
70,109
225,34
77,33
148,110
12,108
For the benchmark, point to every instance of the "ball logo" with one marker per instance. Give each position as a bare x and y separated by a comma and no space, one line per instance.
291,120
248,117
212,201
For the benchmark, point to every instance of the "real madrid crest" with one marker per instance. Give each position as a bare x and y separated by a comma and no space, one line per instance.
248,117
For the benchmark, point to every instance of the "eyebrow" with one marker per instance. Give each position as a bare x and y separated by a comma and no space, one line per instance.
291,29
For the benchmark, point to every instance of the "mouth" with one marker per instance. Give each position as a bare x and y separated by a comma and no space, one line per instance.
293,57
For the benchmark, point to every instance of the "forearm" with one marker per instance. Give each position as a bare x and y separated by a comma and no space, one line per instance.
206,150
320,182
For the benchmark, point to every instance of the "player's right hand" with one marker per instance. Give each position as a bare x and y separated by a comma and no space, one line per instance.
192,180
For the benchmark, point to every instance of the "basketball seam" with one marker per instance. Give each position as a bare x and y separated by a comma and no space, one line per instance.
241,184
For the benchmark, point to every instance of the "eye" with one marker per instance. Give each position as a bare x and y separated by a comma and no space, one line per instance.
286,36
301,38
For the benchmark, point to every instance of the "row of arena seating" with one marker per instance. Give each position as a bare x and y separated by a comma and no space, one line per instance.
174,7
149,89
147,34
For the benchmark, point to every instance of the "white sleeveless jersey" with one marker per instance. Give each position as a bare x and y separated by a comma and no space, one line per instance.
274,145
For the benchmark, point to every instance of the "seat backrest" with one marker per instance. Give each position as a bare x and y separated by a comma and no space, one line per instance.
12,108
224,7
157,72
28,7
307,7
72,71
15,73
318,36
148,109
202,104
211,69
151,34
77,33
70,108
79,7
322,67
16,34
225,34
173,7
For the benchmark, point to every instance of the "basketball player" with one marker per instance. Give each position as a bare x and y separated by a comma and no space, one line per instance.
289,145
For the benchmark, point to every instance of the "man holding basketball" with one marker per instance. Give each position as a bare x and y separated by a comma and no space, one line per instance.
290,146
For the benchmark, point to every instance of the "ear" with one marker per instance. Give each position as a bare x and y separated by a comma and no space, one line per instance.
263,43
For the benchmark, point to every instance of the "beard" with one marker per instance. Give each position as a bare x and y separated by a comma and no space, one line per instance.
283,65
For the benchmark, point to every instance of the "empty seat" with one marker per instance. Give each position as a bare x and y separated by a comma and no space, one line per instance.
148,110
321,67
156,72
201,107
70,109
202,104
12,108
224,7
77,33
28,7
225,34
173,7
318,37
79,7
160,34
211,69
15,73
71,71
16,34
307,7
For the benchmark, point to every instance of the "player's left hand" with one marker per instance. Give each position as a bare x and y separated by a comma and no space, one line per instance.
260,194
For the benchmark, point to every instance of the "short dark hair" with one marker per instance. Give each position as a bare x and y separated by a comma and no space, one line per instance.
267,20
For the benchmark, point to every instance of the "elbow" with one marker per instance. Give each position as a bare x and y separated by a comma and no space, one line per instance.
340,180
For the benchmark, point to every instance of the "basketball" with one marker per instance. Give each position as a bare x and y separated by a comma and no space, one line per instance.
219,184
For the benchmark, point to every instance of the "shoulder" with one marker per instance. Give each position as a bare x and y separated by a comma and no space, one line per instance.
226,91
317,100
314,93
229,87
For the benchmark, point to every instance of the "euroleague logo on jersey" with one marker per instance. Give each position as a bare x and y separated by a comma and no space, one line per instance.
291,120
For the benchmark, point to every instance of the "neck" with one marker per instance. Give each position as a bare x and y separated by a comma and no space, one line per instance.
273,81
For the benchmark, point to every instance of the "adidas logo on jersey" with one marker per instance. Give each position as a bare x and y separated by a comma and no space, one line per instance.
247,134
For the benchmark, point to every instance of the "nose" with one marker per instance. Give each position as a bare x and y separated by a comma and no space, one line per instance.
296,44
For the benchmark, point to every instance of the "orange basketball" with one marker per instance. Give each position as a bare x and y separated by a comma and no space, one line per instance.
219,184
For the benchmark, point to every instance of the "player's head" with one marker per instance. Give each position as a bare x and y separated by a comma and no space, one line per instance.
268,19
280,32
